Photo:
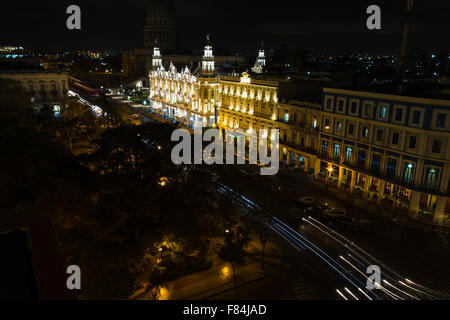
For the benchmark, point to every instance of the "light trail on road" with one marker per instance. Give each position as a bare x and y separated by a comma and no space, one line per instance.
95,109
299,241
366,257
302,243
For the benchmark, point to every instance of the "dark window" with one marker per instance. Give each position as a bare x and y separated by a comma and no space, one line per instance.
361,158
448,186
398,114
395,138
341,105
440,121
416,117
379,134
376,162
391,167
328,103
367,109
436,146
327,122
351,128
353,107
412,142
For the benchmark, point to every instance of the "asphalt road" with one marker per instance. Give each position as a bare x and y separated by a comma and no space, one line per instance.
346,263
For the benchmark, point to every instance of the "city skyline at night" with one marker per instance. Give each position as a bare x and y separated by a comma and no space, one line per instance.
330,27
225,151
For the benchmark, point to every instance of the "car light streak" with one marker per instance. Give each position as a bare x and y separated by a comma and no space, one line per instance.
385,281
392,295
346,289
341,294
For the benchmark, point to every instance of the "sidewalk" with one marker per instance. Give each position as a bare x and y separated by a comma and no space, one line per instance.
218,282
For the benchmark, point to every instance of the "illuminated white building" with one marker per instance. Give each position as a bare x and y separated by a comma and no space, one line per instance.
182,96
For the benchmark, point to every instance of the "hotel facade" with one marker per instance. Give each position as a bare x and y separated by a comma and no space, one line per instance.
392,150
190,98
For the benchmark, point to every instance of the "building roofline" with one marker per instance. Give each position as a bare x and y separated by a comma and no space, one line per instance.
417,100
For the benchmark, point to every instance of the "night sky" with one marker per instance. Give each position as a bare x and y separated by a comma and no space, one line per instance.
320,25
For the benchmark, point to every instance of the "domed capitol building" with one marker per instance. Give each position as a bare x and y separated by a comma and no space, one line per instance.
160,25
160,30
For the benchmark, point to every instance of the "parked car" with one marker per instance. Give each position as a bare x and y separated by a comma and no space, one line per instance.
314,210
324,205
307,200
277,187
333,212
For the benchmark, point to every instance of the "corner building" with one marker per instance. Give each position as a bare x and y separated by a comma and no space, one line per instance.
389,148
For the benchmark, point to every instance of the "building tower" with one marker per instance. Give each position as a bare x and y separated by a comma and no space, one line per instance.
409,9
262,56
260,60
208,58
160,24
156,57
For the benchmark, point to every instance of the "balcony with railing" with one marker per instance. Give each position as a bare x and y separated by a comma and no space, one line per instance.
389,175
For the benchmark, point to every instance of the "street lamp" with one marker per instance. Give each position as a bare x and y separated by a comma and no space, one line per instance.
161,249
163,181
330,170
263,238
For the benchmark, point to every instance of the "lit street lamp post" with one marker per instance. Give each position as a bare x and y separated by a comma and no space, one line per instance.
263,239
161,254
330,170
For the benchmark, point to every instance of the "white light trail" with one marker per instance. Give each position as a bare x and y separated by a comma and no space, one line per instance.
341,294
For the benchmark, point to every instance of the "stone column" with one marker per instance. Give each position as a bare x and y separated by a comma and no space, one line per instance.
352,180
306,164
316,168
341,172
381,185
414,203
366,187
296,159
440,210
